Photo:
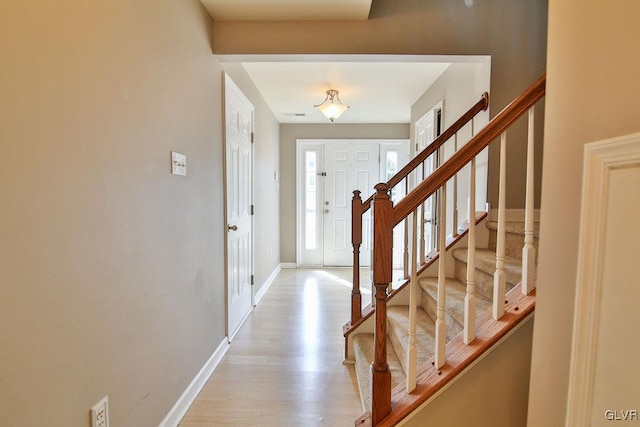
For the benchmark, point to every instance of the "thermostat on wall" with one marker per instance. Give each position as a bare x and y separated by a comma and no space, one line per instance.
178,164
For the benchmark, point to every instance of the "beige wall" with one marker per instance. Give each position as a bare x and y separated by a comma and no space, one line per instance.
459,87
512,32
289,133
492,393
592,94
265,193
111,268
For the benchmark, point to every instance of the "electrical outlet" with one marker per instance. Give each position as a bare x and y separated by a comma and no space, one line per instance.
100,413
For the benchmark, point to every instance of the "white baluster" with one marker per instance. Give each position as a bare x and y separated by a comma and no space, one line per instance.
422,225
470,297
405,259
529,251
454,222
412,352
500,277
441,326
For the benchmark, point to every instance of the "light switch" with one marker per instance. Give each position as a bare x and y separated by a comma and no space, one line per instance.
178,164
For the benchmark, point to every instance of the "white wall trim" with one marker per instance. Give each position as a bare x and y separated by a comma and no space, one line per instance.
600,159
514,215
180,408
288,265
267,284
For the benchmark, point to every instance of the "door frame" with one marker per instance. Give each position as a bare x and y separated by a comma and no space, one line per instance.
227,80
301,143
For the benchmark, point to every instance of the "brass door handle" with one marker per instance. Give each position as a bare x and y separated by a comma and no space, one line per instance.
233,227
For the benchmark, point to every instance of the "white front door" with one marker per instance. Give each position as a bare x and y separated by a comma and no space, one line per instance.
348,166
238,162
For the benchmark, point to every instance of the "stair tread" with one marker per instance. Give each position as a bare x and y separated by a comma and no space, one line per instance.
363,351
486,261
398,330
455,294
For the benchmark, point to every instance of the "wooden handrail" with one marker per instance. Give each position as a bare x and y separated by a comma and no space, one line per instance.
496,126
386,217
479,106
358,207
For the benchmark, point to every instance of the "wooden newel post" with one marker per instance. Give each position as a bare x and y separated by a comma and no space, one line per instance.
356,241
382,276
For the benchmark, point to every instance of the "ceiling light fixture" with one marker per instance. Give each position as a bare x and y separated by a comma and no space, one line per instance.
332,107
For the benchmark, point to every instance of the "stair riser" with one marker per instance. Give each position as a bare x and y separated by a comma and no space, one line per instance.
398,330
397,346
514,243
484,281
363,354
431,307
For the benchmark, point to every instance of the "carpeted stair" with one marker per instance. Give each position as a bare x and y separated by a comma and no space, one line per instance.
398,315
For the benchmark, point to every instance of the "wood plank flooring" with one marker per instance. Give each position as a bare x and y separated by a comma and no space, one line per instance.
284,367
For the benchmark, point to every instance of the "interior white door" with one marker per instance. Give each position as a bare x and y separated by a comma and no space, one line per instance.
238,161
348,166
393,157
425,134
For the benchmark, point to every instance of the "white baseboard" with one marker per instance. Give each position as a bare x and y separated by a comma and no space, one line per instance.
180,408
267,284
288,265
515,215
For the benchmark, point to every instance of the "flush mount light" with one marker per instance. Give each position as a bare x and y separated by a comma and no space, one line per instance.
332,107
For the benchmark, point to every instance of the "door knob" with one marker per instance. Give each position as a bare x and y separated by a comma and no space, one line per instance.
326,211
233,227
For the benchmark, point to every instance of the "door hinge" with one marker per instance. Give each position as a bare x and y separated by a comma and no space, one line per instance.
252,279
252,208
252,137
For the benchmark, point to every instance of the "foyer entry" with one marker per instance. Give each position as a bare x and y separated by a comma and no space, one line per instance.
327,173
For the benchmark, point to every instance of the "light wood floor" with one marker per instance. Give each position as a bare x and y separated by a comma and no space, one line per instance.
284,367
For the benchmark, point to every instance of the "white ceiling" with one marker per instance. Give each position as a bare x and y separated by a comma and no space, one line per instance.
376,92
287,10
378,88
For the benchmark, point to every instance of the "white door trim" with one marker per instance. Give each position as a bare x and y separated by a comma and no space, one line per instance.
601,159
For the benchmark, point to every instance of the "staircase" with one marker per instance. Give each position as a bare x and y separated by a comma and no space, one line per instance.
456,303
398,315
